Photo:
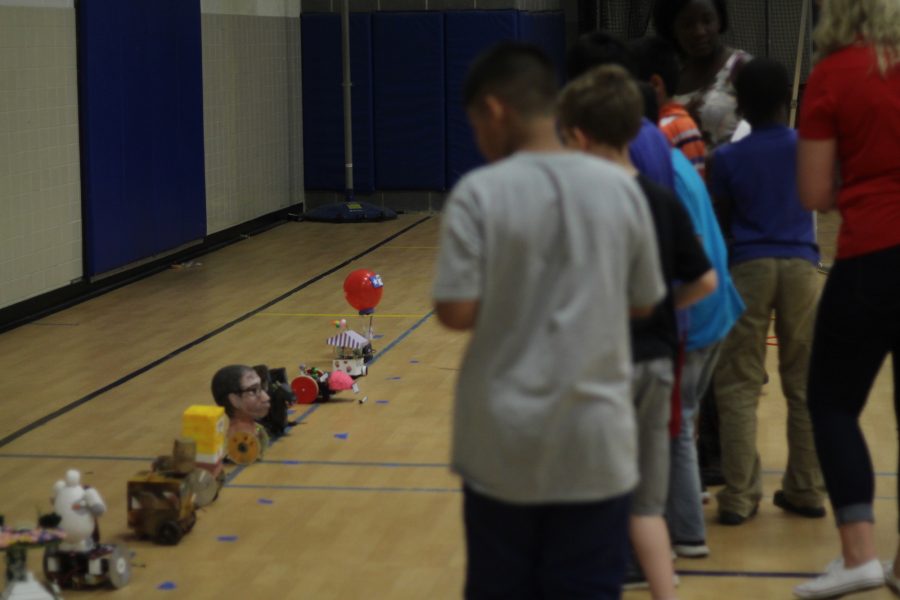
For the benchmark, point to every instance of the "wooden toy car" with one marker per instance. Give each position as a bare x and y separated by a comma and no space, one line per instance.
182,464
160,507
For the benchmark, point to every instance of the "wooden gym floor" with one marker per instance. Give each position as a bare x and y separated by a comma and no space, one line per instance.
357,501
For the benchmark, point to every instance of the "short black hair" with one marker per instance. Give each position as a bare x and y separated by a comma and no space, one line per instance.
596,49
763,87
656,56
227,380
519,74
651,104
666,11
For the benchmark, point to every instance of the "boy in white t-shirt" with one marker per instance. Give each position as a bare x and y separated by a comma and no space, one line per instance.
544,255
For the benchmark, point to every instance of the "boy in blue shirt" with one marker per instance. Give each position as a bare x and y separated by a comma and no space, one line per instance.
773,258
708,322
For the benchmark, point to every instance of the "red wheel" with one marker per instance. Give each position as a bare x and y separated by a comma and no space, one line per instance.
306,389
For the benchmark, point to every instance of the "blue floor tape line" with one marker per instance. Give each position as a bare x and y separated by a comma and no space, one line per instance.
402,337
340,488
357,463
81,457
758,574
239,469
231,476
182,349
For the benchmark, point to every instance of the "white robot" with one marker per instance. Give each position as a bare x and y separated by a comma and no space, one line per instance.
79,508
80,561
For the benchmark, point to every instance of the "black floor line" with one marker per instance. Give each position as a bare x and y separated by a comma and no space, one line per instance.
85,399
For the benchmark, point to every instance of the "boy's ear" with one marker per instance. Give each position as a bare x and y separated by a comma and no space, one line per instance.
577,139
494,107
659,85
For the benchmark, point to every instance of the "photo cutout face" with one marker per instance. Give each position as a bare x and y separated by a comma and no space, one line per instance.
252,400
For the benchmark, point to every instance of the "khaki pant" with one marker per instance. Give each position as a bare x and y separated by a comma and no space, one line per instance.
790,287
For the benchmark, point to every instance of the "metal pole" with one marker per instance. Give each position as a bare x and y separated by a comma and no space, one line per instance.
348,110
798,65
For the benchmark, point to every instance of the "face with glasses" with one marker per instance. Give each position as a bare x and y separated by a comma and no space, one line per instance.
251,401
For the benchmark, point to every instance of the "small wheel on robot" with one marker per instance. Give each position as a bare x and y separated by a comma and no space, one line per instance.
118,566
51,564
306,389
169,533
244,447
204,486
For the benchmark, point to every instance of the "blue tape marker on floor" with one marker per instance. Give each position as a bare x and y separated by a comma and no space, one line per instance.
342,436
394,378
266,501
167,585
377,336
382,401
227,538
414,362
290,462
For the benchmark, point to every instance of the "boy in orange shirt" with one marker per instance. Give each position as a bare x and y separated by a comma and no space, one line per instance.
657,63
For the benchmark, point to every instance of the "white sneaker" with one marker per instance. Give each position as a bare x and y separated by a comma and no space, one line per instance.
839,580
890,579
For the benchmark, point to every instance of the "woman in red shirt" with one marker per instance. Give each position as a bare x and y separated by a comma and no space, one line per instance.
850,119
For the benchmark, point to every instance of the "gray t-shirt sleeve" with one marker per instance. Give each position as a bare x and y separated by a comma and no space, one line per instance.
645,283
459,264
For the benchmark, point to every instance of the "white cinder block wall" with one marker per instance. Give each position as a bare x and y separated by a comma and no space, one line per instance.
252,108
252,122
40,182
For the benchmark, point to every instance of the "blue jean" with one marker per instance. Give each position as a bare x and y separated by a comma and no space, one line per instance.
857,326
684,506
545,551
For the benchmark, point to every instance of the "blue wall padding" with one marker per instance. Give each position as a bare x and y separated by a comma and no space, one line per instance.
469,33
410,136
141,105
547,30
323,102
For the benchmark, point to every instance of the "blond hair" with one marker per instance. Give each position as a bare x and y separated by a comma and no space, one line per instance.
605,103
847,22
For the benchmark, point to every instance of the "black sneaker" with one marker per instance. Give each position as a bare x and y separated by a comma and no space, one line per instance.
727,517
810,512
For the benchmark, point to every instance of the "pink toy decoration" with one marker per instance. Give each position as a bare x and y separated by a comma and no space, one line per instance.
338,381
363,290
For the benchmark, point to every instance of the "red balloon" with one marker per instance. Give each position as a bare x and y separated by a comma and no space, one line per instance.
363,290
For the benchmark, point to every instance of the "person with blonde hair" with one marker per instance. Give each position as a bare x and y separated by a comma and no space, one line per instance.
851,118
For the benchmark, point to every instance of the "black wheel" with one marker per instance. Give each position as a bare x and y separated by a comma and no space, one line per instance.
169,533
